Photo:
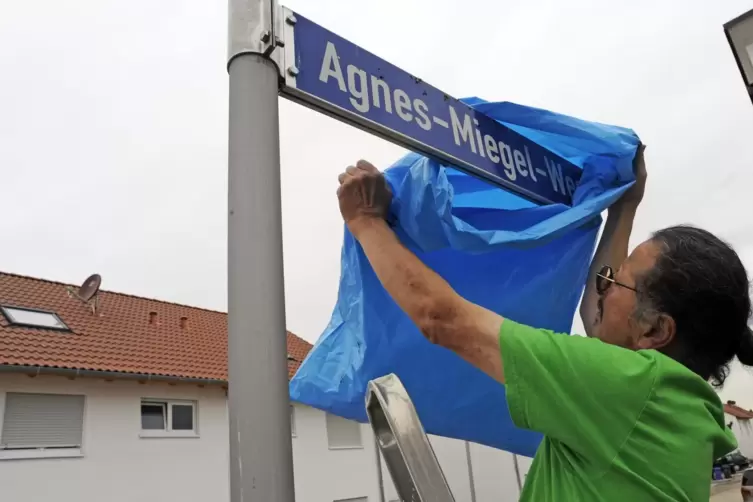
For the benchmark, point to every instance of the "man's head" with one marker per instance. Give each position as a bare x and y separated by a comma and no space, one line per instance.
685,293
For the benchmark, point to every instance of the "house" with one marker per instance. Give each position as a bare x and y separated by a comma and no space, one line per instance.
739,420
123,398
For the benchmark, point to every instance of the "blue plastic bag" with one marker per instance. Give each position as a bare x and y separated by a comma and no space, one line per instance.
527,263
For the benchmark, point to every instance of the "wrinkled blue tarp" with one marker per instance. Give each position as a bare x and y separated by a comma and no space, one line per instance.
525,262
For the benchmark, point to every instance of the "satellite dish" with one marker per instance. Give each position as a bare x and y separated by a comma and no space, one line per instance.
90,287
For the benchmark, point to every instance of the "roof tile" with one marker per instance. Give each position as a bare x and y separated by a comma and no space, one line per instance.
737,411
119,336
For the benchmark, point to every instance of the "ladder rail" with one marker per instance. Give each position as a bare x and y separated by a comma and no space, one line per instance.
401,439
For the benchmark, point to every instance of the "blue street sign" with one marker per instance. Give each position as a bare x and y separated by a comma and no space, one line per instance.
326,72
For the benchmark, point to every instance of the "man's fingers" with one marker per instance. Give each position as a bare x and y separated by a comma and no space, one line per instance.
350,172
366,166
361,167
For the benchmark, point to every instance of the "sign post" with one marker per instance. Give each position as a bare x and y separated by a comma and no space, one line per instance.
261,456
271,51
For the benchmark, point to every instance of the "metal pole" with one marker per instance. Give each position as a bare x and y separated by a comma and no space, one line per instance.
469,460
517,473
380,477
261,454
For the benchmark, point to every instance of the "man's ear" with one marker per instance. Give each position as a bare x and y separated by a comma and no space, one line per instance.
660,335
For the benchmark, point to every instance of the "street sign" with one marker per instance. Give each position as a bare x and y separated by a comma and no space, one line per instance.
328,73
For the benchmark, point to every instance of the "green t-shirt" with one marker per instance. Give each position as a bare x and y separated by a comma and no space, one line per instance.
618,425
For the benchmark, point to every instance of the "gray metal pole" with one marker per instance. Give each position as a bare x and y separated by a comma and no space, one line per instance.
469,460
517,473
380,477
261,455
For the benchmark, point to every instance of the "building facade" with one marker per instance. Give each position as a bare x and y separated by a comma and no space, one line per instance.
739,420
122,398
128,449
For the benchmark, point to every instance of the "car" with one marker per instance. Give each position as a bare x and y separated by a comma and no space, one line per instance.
746,487
739,460
732,463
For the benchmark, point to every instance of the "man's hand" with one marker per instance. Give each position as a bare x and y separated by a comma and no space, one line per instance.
441,315
364,195
633,197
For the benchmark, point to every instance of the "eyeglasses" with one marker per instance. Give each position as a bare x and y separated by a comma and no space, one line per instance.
605,278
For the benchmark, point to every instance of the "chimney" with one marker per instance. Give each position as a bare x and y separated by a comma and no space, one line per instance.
152,317
184,322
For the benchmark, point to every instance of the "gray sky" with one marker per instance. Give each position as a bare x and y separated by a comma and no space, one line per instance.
113,128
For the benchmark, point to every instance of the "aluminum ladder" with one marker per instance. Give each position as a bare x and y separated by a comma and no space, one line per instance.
404,444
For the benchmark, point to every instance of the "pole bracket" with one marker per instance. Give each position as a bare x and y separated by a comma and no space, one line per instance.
256,27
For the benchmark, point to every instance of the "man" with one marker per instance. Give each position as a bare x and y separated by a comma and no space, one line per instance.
627,413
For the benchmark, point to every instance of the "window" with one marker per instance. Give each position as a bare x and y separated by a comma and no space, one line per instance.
42,425
33,318
292,420
343,433
166,418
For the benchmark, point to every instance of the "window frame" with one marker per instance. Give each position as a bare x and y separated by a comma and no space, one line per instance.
346,447
168,431
163,406
44,452
5,309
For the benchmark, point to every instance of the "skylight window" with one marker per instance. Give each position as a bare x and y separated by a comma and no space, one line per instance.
33,318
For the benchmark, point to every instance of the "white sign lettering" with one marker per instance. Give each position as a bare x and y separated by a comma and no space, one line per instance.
371,91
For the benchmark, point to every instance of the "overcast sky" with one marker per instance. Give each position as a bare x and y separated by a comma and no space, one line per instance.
113,128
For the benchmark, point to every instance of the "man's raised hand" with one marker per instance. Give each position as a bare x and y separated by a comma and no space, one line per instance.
364,195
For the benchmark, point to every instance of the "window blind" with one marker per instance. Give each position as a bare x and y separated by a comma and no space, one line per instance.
42,421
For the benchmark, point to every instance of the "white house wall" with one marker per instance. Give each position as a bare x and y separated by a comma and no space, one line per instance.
743,430
324,475
119,466
452,458
493,472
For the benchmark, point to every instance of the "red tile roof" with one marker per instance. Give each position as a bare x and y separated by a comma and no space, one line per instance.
736,411
119,337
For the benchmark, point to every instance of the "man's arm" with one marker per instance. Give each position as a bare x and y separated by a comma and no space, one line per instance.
612,250
613,245
443,316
